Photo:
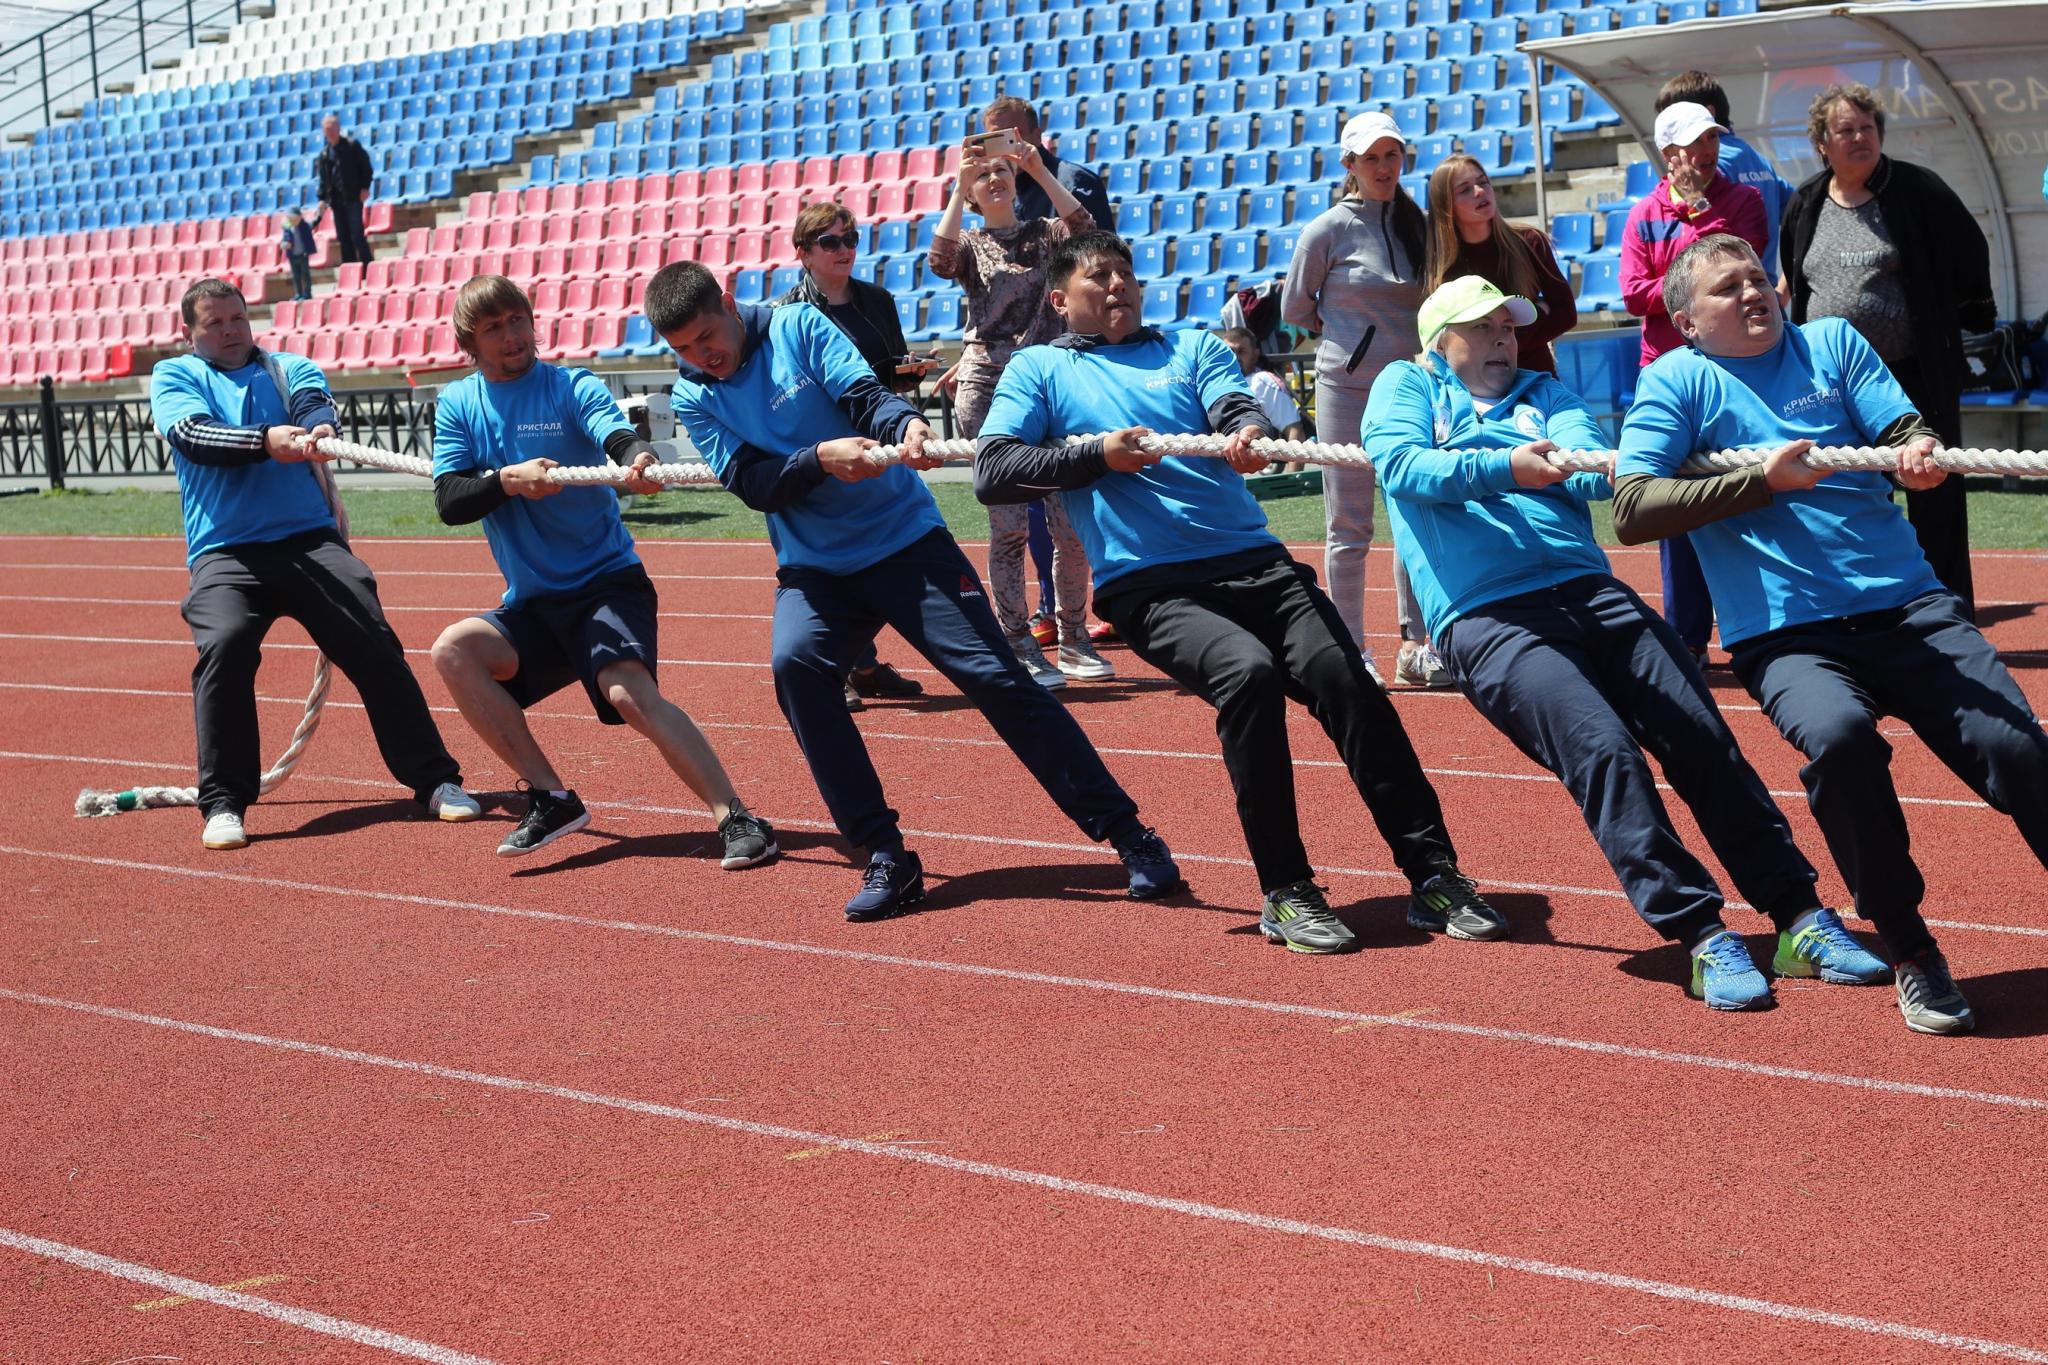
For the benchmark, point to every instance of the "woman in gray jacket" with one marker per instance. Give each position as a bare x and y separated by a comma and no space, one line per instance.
1356,279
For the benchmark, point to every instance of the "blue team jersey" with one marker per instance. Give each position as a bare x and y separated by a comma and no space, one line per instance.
238,504
1468,534
1837,549
543,545
783,398
1184,507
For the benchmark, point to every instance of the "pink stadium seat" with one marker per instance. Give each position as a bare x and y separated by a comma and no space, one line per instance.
921,163
471,236
687,185
579,297
551,263
615,258
478,205
120,360
885,167
378,217
418,241
491,262
433,271
858,200
544,335
650,220
383,352
606,333
285,315
647,254
929,196
326,351
572,337
313,313
648,189
622,194
588,226
534,200
713,253
444,239
751,178
583,261
519,265
443,350
751,250
353,275
717,182
636,298
892,200
687,215
501,236
425,309
750,210
413,346
783,208
817,173
782,175
405,273
562,199
592,195
547,298
342,311
949,162
504,203
207,233
618,224
613,296
533,231
355,349
561,229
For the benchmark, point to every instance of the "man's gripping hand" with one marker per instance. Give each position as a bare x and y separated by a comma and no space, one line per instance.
1917,470
1122,453
846,458
914,437
529,479
636,473
1239,451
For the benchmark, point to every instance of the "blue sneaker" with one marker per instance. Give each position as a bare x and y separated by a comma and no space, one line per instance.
1824,949
1724,975
892,883
1150,863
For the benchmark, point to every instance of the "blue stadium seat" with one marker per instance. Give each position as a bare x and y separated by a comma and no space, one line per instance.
1572,235
1134,216
1148,257
1206,298
1432,80
1249,170
1600,285
1237,253
1220,211
1162,303
1176,214
1206,172
1296,166
1268,208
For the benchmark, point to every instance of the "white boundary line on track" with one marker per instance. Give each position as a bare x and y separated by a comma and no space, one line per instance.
1114,1194
1055,846
963,741
306,1318
388,606
1524,1037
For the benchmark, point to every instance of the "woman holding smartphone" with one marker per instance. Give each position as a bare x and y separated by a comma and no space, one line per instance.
827,243
1001,269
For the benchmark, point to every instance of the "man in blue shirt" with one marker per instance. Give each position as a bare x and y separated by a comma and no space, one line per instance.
1832,617
578,606
265,536
1187,572
1564,659
784,409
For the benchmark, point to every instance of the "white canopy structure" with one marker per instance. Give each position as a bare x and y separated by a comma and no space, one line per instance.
1964,84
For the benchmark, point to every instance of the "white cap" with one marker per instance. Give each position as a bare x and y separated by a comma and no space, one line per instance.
1683,124
1368,128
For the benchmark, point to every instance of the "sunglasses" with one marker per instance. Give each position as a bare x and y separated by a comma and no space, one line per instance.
832,241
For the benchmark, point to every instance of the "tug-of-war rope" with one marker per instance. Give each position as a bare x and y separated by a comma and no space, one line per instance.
2030,463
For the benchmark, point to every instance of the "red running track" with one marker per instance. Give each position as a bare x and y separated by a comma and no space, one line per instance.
410,1100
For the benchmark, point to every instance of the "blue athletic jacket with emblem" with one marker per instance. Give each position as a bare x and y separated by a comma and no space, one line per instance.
1466,532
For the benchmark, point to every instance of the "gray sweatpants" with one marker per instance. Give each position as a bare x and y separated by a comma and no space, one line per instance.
1348,521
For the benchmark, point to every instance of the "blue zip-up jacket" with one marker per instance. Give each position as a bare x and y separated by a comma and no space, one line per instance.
1466,532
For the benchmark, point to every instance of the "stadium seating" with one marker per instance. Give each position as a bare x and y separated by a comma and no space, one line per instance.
1215,122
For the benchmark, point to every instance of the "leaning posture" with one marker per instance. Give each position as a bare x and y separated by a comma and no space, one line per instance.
266,537
1569,663
578,605
1191,578
1832,616
784,408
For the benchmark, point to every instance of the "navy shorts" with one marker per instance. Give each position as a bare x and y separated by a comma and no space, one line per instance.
573,636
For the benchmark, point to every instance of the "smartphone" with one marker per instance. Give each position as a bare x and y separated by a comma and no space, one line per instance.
1001,142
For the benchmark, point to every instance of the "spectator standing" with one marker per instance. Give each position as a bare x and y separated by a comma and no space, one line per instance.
1467,236
345,176
296,242
1356,280
1001,268
1889,246
1282,413
1695,198
827,241
1740,162
1032,200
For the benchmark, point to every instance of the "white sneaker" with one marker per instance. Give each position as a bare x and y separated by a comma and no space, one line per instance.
451,803
1080,661
224,830
1372,670
1033,658
1420,666
1929,997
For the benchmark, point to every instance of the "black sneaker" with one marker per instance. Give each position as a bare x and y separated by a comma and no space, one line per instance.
890,885
853,701
884,681
1299,918
1149,863
1449,903
548,818
749,840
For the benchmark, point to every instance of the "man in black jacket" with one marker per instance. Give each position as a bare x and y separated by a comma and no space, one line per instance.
343,168
1867,224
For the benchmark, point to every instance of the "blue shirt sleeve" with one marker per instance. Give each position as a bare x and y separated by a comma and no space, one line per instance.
1400,427
596,409
1568,424
714,440
832,360
1020,409
452,451
1658,433
1217,372
174,396
301,374
1875,398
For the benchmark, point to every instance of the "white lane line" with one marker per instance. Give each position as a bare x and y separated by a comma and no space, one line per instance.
962,741
359,1333
1423,1024
1114,1194
309,648
388,606
1000,841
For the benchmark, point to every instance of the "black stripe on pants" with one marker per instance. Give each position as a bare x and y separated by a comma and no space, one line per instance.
236,595
1246,643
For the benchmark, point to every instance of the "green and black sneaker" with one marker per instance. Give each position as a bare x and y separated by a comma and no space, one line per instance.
1449,903
1299,917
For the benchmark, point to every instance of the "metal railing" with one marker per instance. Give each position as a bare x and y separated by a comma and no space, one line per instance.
72,60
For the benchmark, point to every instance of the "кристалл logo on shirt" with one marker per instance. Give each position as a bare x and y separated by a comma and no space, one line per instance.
1807,402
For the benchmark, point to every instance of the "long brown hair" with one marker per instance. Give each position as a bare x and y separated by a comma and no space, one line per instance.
1518,270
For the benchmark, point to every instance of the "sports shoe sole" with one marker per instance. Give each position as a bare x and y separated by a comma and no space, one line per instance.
507,851
1276,937
460,817
735,864
1158,892
1431,924
1943,1029
1088,672
225,845
1802,970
